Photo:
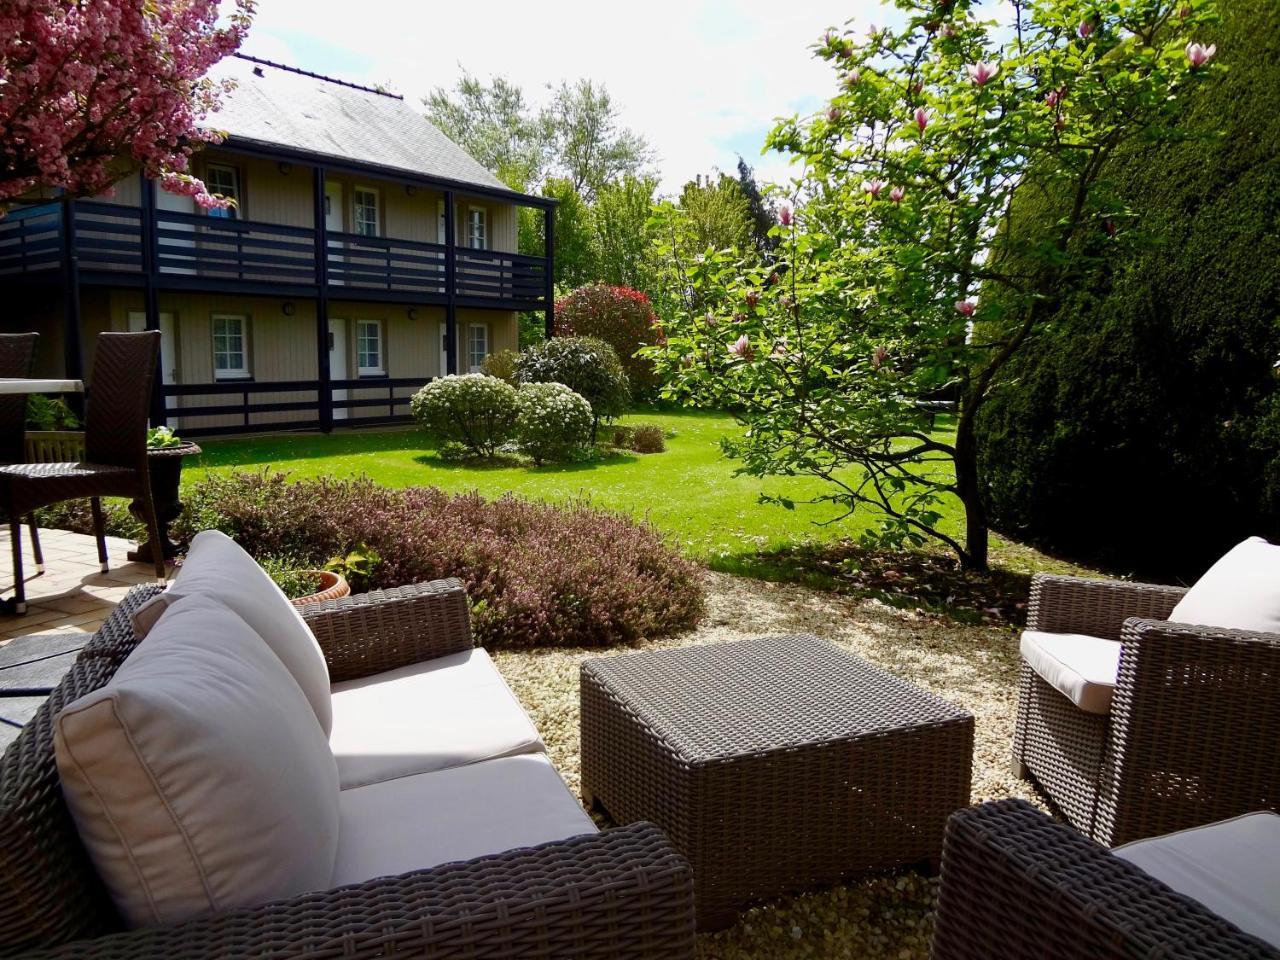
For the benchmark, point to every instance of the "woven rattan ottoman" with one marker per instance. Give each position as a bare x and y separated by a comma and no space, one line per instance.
774,765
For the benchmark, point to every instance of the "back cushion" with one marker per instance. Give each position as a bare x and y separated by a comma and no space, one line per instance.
197,777
217,566
1239,592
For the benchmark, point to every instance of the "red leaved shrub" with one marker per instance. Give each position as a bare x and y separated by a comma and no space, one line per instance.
621,317
536,574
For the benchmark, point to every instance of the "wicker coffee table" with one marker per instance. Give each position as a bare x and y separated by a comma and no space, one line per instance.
774,765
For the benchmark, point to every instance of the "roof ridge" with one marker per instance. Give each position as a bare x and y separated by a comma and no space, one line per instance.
317,76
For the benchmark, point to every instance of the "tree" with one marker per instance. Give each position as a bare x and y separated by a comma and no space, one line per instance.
495,125
762,212
831,357
574,261
94,91
621,317
590,149
719,213
621,239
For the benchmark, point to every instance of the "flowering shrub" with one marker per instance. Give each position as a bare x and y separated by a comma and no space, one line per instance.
621,317
473,410
648,438
536,574
552,422
587,366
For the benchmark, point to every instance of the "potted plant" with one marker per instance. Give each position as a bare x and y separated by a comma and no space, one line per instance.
311,586
165,453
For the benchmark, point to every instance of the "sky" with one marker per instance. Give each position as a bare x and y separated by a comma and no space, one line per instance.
701,80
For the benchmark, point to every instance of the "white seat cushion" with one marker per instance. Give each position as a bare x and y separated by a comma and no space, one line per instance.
1231,867
411,823
1080,667
1239,592
429,716
198,778
219,567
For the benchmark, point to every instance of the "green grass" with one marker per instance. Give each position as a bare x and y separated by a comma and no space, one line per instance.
691,491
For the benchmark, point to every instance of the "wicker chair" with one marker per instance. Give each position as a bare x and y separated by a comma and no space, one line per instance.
1193,735
17,359
115,463
621,893
1017,885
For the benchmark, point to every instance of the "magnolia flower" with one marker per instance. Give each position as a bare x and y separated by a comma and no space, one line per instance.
1085,29
833,114
1184,11
753,299
948,30
739,317
966,307
1110,227
786,301
873,187
780,347
922,118
982,72
1199,54
711,319
878,356
897,193
742,348
853,77
1053,98
784,216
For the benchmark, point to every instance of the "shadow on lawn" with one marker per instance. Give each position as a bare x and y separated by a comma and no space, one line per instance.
257,451
514,462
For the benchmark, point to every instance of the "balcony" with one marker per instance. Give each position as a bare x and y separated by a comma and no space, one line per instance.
197,252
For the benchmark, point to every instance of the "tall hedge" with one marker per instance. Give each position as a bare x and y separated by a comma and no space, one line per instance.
1143,432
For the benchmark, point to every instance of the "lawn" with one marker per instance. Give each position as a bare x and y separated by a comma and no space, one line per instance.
691,491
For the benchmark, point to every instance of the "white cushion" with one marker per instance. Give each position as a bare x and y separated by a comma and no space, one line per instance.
217,566
411,823
1239,592
1080,667
198,777
1231,867
432,715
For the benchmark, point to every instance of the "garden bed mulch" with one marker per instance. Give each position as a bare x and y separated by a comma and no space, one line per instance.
971,664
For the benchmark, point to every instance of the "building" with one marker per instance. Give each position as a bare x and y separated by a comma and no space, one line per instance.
367,254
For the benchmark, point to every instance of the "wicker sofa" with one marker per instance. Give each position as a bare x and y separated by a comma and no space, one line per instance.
1183,731
1018,885
621,892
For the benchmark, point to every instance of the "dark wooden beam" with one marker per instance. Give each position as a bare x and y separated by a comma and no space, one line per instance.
550,252
451,287
150,297
73,356
324,375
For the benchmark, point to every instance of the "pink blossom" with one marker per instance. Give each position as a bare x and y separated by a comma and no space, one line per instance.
948,30
742,348
834,114
711,319
878,356
922,118
853,77
897,193
753,299
780,347
1054,97
966,308
1199,54
1184,11
1085,29
784,215
873,187
981,73
739,317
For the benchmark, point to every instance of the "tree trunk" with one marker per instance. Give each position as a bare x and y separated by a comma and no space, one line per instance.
976,532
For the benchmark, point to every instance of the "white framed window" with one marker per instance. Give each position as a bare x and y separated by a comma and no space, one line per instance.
224,179
366,212
477,346
477,228
369,352
230,347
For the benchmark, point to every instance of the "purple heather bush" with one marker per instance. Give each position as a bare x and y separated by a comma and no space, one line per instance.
537,574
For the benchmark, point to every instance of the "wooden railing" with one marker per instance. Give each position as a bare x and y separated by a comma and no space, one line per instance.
385,264
31,240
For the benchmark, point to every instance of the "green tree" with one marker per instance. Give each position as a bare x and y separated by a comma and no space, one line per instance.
621,239
591,150
574,263
908,176
762,212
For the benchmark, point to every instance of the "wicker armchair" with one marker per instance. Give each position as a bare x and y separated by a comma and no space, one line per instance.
115,463
1193,735
1018,885
622,893
17,359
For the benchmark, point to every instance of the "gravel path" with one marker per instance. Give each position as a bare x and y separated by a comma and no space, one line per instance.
976,667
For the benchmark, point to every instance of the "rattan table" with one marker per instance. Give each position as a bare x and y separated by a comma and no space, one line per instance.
774,765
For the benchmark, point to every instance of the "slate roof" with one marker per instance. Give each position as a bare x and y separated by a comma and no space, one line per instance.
276,106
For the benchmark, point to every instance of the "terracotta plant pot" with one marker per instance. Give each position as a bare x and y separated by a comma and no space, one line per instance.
333,586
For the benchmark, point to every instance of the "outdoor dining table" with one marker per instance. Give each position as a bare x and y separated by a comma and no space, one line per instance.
19,385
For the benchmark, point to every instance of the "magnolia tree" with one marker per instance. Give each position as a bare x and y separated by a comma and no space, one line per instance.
897,281
93,89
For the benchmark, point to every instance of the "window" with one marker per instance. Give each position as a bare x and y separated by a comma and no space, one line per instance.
220,178
477,346
442,231
477,234
367,212
369,348
230,348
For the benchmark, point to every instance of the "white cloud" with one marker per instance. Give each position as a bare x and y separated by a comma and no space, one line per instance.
700,79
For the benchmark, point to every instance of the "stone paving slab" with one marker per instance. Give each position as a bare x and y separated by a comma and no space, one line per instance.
14,713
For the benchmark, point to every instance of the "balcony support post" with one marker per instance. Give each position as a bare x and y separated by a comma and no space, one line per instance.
72,351
324,376
150,297
549,279
450,286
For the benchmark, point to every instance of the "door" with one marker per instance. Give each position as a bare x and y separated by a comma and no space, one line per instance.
338,363
168,357
333,222
444,351
177,253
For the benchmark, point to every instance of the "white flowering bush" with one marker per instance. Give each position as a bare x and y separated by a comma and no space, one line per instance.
473,410
552,422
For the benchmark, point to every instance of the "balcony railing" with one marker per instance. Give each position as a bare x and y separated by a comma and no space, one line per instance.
192,250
